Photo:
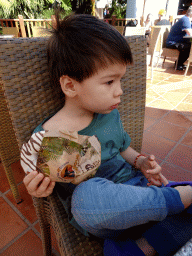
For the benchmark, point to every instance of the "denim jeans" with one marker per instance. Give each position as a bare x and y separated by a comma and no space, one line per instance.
106,209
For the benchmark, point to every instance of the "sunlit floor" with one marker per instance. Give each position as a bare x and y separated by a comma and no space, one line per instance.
168,120
167,135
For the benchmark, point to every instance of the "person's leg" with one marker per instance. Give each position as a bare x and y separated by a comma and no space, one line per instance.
154,238
145,247
104,208
184,50
125,247
169,235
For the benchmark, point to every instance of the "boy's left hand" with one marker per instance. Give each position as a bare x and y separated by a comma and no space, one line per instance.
152,171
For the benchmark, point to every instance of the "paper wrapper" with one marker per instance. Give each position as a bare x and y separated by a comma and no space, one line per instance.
63,156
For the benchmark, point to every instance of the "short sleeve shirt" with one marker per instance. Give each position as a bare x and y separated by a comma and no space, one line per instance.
177,31
114,139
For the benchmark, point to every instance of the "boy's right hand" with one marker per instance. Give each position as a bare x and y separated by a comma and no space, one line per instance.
38,185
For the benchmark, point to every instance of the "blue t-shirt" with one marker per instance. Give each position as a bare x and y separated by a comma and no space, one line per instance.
177,31
163,22
109,130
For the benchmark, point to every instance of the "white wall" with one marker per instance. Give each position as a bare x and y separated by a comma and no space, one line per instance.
173,7
102,3
131,10
153,6
135,8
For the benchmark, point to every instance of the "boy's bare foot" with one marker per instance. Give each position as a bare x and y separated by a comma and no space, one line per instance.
147,249
185,194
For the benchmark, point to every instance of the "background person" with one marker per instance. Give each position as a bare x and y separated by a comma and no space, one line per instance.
176,38
106,13
162,19
148,24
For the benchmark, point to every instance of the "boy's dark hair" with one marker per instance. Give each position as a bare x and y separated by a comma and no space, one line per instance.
80,44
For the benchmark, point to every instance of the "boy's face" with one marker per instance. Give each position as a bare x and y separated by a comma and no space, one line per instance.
101,92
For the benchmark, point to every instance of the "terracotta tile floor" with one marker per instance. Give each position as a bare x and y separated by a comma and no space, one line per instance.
167,134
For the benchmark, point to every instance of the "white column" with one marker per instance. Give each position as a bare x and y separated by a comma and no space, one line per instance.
172,7
131,10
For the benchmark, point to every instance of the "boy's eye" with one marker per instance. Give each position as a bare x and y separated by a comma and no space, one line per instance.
109,82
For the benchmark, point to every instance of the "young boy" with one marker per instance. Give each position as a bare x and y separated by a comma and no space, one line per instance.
88,58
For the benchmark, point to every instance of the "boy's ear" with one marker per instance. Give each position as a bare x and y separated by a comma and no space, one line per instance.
68,86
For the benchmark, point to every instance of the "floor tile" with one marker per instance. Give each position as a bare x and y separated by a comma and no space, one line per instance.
155,112
163,83
158,146
152,94
173,79
53,237
148,85
172,86
28,245
176,117
154,81
17,173
187,139
174,97
162,104
160,88
11,224
182,90
188,115
4,185
181,157
148,122
37,227
149,100
188,98
184,107
26,206
173,173
168,130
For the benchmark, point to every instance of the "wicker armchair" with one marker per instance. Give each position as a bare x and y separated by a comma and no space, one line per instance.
159,36
27,97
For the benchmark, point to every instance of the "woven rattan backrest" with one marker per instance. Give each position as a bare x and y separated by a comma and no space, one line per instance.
154,42
165,30
24,81
132,107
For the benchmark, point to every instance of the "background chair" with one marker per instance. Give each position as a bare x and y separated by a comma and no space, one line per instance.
11,31
133,31
167,52
27,97
189,61
154,46
158,48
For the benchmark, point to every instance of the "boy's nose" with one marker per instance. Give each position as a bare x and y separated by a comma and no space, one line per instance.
118,91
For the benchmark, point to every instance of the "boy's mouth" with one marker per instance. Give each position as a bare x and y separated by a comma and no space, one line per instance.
114,106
